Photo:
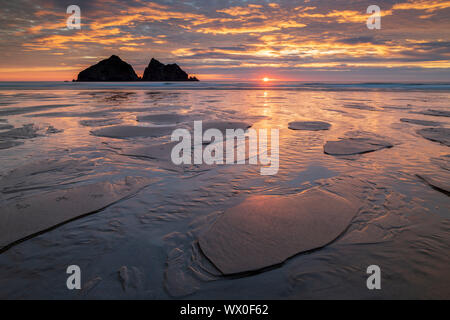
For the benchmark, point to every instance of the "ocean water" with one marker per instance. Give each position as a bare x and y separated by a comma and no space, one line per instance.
145,246
231,85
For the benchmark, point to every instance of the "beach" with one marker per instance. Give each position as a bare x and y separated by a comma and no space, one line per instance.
141,236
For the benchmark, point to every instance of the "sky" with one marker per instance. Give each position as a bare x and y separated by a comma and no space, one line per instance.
301,40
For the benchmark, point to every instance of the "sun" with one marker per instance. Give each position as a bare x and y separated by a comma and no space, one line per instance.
265,79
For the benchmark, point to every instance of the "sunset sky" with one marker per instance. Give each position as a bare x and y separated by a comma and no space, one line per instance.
307,40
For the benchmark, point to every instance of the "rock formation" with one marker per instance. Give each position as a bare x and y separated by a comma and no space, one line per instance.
111,69
115,69
157,71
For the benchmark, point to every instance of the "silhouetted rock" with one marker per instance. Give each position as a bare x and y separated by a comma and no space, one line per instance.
157,71
111,69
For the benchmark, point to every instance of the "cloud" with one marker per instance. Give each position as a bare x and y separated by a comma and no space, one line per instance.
244,11
230,35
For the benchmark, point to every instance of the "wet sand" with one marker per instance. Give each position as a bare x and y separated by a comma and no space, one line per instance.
385,153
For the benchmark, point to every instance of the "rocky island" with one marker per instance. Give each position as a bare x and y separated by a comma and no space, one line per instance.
115,69
111,69
156,71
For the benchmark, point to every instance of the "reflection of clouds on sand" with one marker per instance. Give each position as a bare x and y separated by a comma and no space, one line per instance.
441,135
439,181
267,230
385,219
100,122
356,143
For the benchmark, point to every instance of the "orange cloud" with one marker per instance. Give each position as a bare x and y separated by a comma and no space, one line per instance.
277,47
35,69
37,73
248,36
243,11
343,16
441,64
232,30
105,31
429,6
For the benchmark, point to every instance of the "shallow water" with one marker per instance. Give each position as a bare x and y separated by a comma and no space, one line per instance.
145,246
